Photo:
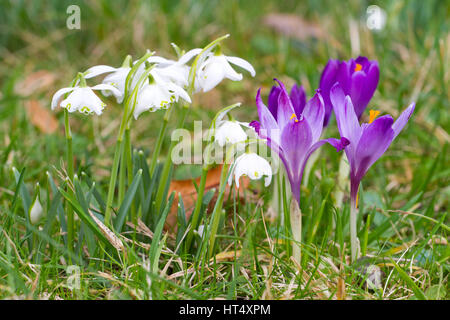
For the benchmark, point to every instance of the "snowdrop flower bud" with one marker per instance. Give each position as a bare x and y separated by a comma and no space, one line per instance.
158,94
251,165
216,67
36,212
229,132
82,98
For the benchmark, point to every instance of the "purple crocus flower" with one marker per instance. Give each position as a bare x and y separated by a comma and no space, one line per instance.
358,78
297,96
293,132
368,142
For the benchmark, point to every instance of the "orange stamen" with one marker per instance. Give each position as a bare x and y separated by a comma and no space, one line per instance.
373,114
358,67
294,116
357,200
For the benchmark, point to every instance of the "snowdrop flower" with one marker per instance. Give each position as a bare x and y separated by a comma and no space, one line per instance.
117,77
251,165
82,99
229,132
158,94
215,67
174,71
36,212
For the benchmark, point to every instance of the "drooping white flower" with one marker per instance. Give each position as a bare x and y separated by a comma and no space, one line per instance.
215,67
157,94
82,99
229,132
35,212
116,77
174,71
251,165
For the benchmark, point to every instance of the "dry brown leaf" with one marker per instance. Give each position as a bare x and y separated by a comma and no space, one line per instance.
189,194
35,82
294,26
112,238
341,292
41,117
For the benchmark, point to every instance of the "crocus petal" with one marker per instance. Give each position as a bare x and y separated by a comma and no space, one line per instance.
285,108
363,86
338,144
298,98
364,62
58,95
267,120
296,139
314,113
403,119
98,70
243,64
104,86
346,119
375,139
272,101
327,80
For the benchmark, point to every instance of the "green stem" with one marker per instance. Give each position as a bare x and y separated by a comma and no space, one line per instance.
159,141
129,162
122,173
296,226
168,163
129,98
70,172
353,235
112,181
198,205
216,215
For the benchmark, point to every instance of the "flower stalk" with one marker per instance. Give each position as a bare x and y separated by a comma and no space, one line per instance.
168,164
123,124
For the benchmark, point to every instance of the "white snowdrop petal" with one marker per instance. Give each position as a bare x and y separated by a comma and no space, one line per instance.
229,132
212,75
230,73
104,86
189,55
243,64
58,95
254,166
98,70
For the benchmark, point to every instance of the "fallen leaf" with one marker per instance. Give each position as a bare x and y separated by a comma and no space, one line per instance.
41,117
112,238
35,82
294,26
227,255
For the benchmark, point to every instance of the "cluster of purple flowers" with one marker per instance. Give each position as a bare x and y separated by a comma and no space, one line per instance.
292,126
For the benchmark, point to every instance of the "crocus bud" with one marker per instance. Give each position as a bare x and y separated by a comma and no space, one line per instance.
357,77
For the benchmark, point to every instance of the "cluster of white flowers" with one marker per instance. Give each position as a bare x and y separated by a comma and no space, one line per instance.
231,132
166,81
156,83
